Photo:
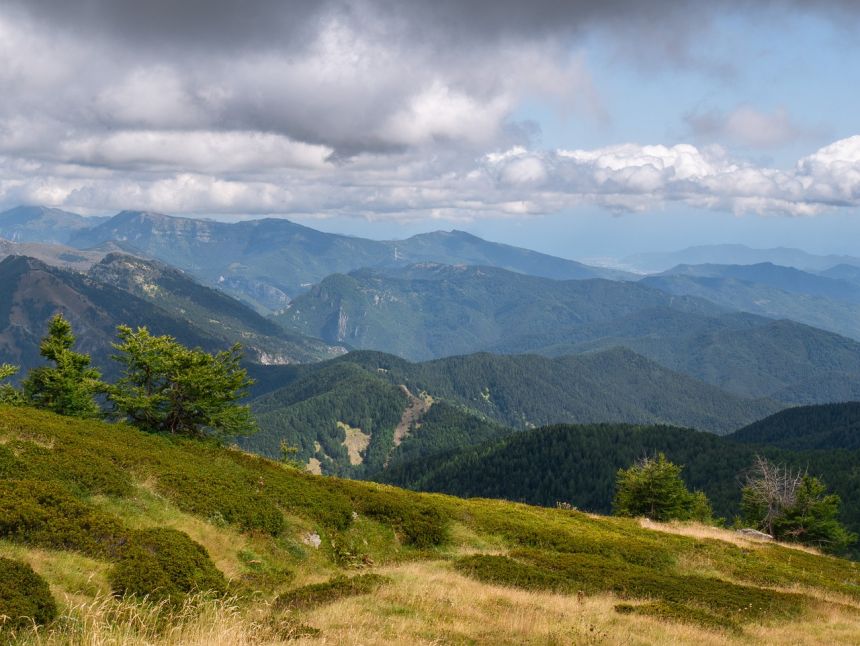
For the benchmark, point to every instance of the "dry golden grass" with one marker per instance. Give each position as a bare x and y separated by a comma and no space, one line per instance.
697,530
430,604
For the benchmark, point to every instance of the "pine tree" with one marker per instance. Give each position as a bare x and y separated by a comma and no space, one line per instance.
9,395
653,488
70,385
168,388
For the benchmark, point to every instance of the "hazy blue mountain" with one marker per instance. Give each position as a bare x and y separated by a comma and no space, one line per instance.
838,315
52,254
732,254
850,273
267,262
42,224
787,279
31,292
429,311
828,426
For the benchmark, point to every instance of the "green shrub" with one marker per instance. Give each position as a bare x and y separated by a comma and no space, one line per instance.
46,514
162,563
317,594
25,598
417,520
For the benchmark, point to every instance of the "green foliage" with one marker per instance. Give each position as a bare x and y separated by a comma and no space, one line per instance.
318,594
794,508
420,522
69,387
9,395
25,599
46,514
162,563
653,488
168,388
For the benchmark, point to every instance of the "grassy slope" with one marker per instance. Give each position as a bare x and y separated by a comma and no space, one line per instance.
577,464
457,571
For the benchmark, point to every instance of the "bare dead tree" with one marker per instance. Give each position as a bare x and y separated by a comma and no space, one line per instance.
772,488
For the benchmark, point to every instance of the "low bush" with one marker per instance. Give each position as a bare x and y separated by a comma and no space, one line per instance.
25,599
166,564
416,519
46,514
317,594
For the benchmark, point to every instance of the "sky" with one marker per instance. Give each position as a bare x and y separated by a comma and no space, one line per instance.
583,129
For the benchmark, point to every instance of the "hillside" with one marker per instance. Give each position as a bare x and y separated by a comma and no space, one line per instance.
577,464
838,314
429,310
31,292
298,555
43,225
267,262
365,411
426,311
828,426
767,274
52,254
208,309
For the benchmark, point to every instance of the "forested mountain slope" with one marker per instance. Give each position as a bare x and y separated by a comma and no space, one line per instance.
266,262
425,311
366,410
827,426
31,292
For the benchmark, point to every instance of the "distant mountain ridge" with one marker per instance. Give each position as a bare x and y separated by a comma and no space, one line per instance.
426,311
269,261
827,426
165,301
765,289
733,254
42,224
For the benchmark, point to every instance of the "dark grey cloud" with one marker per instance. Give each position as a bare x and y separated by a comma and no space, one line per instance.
261,24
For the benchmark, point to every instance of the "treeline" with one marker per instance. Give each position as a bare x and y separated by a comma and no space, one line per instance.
164,386
577,465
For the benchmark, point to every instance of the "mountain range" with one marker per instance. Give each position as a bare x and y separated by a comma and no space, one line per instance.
124,290
267,262
733,254
357,414
428,311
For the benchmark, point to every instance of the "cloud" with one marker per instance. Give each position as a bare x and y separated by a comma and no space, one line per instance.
747,126
517,181
371,108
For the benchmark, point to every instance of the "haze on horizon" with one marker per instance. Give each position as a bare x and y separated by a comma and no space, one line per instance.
582,129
